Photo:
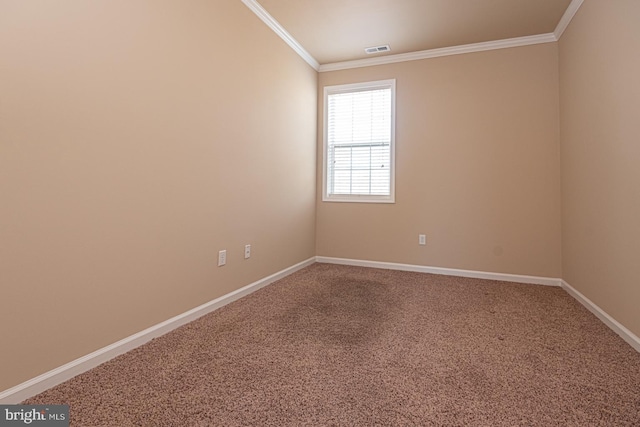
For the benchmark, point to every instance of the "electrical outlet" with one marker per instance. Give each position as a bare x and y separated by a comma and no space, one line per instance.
222,258
247,251
422,239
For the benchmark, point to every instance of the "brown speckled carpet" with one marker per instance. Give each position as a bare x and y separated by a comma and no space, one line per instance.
350,346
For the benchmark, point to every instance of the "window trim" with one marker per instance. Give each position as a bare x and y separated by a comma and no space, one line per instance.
358,198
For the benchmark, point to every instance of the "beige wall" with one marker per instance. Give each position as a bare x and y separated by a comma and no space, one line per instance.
478,166
600,140
136,140
139,138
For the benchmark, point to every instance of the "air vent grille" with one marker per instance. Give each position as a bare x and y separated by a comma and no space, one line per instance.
377,49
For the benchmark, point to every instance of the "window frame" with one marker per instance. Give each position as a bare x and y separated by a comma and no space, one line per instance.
359,198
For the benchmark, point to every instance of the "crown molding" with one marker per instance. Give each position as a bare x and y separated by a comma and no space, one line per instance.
445,51
257,9
567,17
281,32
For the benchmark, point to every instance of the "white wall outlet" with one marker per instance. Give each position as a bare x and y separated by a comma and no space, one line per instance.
422,239
222,258
247,251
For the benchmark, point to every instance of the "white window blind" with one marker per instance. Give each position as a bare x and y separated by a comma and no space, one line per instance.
359,142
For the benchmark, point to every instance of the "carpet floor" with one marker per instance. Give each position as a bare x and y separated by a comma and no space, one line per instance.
347,346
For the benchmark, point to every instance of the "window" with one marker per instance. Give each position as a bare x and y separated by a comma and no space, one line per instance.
359,127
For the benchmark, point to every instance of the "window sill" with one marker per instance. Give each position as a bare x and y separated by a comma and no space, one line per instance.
359,199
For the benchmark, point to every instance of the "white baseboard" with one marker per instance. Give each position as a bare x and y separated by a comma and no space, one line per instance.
535,280
612,323
63,373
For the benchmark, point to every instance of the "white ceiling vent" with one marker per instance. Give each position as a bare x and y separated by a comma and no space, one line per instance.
377,49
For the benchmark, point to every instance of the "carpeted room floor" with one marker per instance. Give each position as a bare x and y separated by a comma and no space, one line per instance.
352,346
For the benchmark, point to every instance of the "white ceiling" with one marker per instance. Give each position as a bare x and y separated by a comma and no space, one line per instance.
333,32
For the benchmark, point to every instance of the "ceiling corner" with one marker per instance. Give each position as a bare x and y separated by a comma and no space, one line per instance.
281,32
567,17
